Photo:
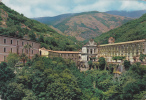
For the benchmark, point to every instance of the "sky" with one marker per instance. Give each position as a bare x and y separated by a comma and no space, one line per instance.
43,8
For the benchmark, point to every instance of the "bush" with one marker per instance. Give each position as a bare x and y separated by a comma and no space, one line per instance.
127,64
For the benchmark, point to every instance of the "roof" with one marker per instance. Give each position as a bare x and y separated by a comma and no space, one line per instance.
60,51
67,52
120,43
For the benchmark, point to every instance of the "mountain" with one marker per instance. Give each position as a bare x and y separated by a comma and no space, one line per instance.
90,24
132,30
53,20
132,14
87,24
17,25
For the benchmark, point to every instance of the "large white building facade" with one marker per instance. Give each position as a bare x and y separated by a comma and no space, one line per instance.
131,50
89,51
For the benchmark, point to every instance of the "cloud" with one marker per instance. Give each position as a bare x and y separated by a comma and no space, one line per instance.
40,8
132,5
98,6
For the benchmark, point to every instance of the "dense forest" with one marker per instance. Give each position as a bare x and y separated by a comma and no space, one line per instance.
132,30
17,25
43,78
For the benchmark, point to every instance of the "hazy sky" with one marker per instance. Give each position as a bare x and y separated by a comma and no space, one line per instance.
41,8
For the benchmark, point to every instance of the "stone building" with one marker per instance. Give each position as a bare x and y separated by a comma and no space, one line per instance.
44,52
129,49
16,45
73,55
89,52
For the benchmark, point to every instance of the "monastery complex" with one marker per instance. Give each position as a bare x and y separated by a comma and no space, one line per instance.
131,50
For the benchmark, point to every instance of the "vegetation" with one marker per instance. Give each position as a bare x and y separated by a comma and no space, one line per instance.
59,79
118,58
17,25
132,30
85,25
127,64
102,63
142,56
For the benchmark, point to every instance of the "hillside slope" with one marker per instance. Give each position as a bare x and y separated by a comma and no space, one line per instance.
53,20
132,14
88,24
133,30
17,25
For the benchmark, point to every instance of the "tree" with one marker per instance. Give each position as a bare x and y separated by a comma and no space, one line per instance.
90,64
28,47
96,64
118,58
5,72
142,56
102,63
23,58
121,58
115,58
127,64
13,91
12,59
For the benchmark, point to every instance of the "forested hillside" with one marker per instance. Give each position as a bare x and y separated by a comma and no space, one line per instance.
58,79
86,25
132,30
53,20
17,25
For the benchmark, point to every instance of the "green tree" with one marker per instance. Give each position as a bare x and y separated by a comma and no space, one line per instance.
23,58
5,72
115,58
90,64
13,91
127,64
142,56
28,47
12,59
102,63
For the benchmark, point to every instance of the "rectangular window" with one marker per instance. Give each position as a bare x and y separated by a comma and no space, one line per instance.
22,43
4,58
11,50
22,50
32,51
32,44
11,42
17,42
17,51
4,49
4,40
